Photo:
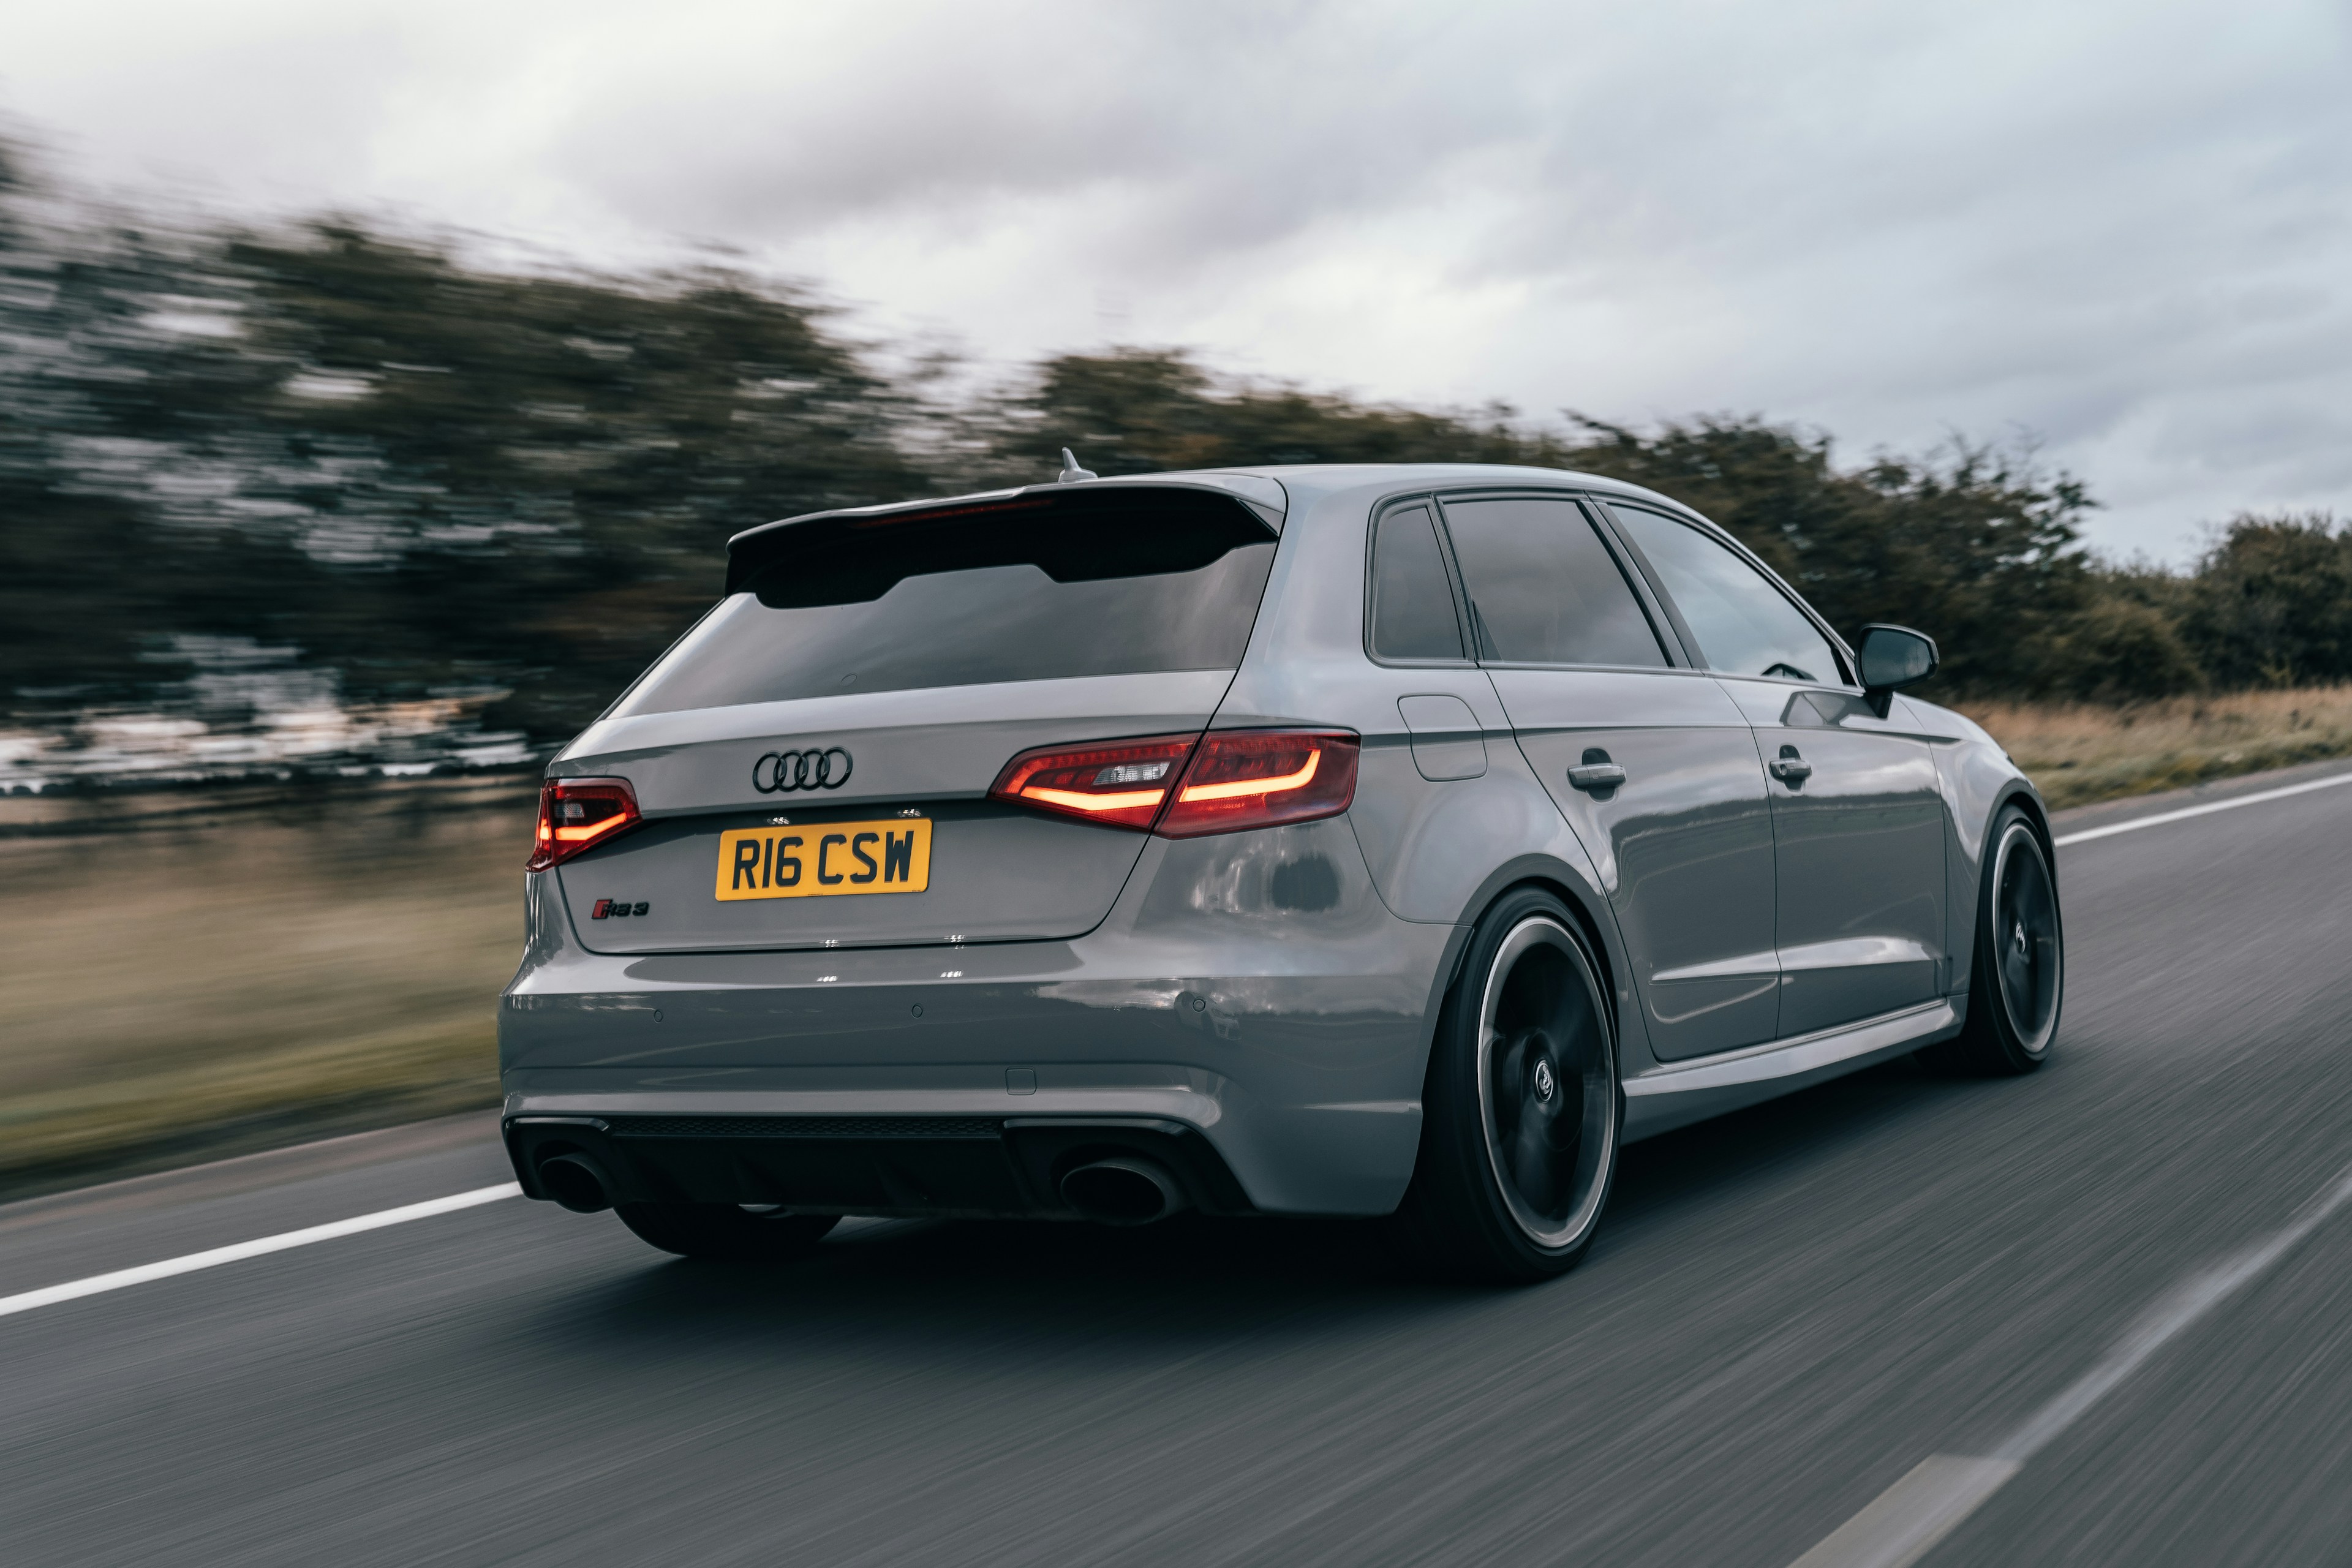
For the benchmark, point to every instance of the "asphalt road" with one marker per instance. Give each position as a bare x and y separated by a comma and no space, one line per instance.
1785,1311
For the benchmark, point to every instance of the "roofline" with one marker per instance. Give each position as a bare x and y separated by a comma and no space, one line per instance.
1258,486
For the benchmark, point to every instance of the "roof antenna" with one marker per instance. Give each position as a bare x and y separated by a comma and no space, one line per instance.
1071,473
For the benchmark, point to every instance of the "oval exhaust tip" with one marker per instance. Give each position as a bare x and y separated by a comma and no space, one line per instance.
1122,1190
577,1183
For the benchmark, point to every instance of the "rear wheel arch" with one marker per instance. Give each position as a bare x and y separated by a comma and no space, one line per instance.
1582,902
1589,928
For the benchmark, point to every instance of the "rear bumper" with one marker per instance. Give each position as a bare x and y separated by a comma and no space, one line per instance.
1272,1056
962,1166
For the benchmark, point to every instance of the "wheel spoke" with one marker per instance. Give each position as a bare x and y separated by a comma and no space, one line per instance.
1531,1168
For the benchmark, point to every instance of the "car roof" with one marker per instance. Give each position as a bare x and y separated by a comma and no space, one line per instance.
1267,488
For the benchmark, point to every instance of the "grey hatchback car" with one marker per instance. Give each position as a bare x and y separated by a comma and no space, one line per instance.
1380,841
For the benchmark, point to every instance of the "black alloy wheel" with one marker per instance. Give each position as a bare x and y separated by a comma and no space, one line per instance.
1522,1107
2025,929
2018,980
730,1232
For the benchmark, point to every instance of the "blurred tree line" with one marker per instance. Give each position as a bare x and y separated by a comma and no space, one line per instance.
352,458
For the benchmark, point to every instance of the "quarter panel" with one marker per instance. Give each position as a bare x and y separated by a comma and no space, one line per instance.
1433,846
1448,741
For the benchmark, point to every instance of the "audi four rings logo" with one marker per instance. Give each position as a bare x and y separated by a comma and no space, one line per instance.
781,773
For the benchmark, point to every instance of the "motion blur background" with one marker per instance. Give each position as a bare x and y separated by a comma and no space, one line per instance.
380,383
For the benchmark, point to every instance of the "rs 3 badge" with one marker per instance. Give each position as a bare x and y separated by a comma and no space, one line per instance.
616,909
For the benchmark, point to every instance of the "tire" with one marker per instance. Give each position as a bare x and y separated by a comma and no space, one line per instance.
2017,981
1522,1107
725,1231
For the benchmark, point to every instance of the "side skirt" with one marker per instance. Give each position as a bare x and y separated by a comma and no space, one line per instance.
1669,1097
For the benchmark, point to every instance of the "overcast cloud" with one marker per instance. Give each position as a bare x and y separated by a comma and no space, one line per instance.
2124,226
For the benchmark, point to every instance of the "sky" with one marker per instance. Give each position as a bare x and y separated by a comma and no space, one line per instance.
2121,230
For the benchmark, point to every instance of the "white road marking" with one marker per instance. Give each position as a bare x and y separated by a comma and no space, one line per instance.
1913,1514
2188,811
99,1283
1901,1522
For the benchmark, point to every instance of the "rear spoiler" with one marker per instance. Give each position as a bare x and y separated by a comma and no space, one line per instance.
1252,498
1263,496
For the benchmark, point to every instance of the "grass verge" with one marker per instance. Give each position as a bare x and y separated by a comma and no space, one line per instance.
2078,755
223,983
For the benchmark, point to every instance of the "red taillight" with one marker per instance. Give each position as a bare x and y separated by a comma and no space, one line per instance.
1119,784
576,814
1260,778
1237,779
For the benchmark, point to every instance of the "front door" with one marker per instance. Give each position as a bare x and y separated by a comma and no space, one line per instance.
1858,818
1653,765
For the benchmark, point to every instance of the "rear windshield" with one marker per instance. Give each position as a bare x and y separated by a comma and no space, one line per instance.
1039,588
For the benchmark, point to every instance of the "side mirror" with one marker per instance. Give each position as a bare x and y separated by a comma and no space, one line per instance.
1892,657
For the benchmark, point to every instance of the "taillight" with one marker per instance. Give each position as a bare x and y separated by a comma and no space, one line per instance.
577,815
1260,778
1119,784
1237,779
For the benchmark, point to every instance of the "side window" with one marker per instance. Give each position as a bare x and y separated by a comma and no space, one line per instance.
1744,624
1412,603
1543,588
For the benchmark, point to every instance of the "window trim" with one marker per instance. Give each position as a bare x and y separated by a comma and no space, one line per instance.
1380,515
1671,643
1711,531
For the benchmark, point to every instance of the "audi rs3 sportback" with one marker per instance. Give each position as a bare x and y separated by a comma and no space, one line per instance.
1323,840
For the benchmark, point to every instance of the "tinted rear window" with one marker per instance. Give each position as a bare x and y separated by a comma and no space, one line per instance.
1041,588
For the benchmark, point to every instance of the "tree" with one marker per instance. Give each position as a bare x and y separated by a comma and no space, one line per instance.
2271,602
408,477
1135,410
1971,544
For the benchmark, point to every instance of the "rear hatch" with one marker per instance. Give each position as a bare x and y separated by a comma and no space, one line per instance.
813,761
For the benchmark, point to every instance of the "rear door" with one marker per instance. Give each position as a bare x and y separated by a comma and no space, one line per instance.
813,759
1858,816
1650,762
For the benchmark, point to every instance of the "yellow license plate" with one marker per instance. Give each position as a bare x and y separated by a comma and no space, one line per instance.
826,860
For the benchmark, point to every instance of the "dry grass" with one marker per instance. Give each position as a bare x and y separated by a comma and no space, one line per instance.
2080,754
228,983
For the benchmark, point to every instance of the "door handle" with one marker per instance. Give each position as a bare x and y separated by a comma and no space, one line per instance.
1791,768
1596,773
